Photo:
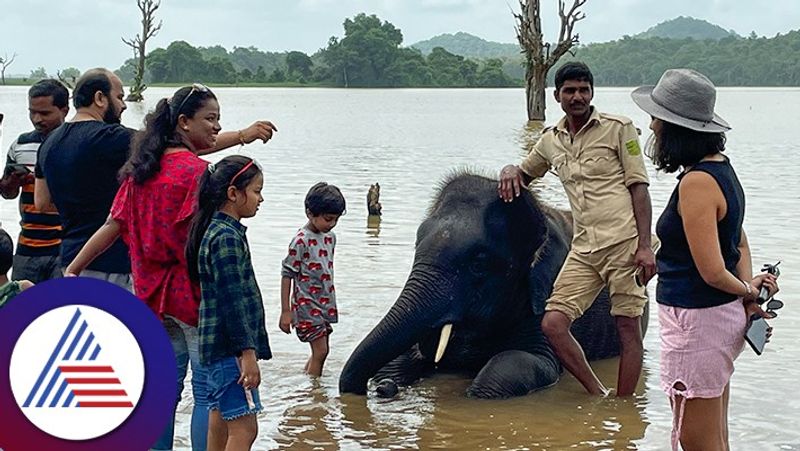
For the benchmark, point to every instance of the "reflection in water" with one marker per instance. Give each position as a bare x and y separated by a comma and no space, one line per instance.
436,414
305,420
529,135
374,226
558,418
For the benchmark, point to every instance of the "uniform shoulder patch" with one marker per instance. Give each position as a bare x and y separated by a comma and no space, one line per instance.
633,148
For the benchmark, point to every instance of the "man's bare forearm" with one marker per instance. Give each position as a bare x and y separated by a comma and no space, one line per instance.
642,212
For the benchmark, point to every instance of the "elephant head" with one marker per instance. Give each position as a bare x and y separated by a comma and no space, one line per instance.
468,286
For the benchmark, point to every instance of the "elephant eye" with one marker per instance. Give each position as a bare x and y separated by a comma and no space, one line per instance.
479,265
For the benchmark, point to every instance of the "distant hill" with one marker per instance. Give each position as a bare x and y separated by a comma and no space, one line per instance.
472,46
687,27
467,45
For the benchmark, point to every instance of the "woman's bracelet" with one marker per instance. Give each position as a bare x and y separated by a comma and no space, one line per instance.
241,137
749,293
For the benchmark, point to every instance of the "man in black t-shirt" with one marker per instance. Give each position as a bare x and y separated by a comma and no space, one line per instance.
76,172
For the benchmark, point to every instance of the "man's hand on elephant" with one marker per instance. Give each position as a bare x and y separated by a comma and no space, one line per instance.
645,259
511,183
262,130
285,322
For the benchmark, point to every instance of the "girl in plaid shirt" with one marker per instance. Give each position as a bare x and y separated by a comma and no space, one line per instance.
232,333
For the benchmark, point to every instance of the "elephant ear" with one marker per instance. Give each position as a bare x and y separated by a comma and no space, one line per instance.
527,226
521,223
538,242
546,266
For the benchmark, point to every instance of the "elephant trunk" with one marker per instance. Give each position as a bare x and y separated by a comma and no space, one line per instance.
425,299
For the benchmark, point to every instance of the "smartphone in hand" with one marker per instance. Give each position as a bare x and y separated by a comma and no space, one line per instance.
20,169
638,276
756,334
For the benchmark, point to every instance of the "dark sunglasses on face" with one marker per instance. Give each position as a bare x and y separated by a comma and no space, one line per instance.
196,87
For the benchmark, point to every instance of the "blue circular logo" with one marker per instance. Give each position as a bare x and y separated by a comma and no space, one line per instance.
90,367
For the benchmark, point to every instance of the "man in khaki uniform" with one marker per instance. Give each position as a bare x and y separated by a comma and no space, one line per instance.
599,161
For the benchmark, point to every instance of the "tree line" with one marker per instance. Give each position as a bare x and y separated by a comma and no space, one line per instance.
731,61
370,54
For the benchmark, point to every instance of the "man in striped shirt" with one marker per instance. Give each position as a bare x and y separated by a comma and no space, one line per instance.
37,253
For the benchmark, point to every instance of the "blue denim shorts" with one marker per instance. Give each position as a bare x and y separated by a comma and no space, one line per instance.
226,395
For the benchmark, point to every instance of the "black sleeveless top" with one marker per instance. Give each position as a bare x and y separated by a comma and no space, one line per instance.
679,281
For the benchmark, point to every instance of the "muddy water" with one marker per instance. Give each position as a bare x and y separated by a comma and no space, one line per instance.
409,140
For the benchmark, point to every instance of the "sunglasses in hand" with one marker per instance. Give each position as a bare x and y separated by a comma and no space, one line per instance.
772,305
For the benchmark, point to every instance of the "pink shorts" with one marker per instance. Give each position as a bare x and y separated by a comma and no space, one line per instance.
698,347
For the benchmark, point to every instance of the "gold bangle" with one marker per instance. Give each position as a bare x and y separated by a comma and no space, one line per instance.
241,138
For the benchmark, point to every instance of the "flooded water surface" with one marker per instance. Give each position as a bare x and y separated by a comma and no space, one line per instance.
409,141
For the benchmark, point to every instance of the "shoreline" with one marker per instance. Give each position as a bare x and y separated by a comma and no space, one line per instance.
25,82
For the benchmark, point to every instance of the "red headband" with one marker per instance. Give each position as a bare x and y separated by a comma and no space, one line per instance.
241,171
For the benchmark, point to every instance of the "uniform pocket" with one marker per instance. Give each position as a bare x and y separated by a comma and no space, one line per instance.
561,167
599,161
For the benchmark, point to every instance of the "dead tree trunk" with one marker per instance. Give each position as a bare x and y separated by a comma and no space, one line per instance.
536,97
538,57
374,200
5,61
64,80
139,46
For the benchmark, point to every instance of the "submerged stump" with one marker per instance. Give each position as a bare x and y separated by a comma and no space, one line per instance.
373,200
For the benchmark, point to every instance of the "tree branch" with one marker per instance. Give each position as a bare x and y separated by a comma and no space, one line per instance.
132,43
63,80
565,37
540,56
6,61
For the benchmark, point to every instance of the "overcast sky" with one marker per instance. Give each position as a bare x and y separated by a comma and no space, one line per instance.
57,34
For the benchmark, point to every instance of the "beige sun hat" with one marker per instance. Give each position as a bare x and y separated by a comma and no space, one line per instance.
683,97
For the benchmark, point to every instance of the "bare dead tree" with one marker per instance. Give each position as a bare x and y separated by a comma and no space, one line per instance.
539,56
139,44
64,79
5,61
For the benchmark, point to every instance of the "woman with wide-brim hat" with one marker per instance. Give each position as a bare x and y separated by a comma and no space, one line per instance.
706,290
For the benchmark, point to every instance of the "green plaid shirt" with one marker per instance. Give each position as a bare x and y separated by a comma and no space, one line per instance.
231,310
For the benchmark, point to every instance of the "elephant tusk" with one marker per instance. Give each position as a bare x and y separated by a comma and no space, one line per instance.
445,337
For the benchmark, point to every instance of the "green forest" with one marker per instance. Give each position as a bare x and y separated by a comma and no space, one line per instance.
371,53
731,61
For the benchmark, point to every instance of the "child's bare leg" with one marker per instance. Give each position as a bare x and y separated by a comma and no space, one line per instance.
241,433
217,431
319,352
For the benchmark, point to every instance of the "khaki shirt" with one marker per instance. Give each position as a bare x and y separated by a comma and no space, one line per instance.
596,167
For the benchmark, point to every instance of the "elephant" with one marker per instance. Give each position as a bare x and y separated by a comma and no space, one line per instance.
474,299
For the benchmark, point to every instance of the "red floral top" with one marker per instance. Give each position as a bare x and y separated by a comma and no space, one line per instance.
154,222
